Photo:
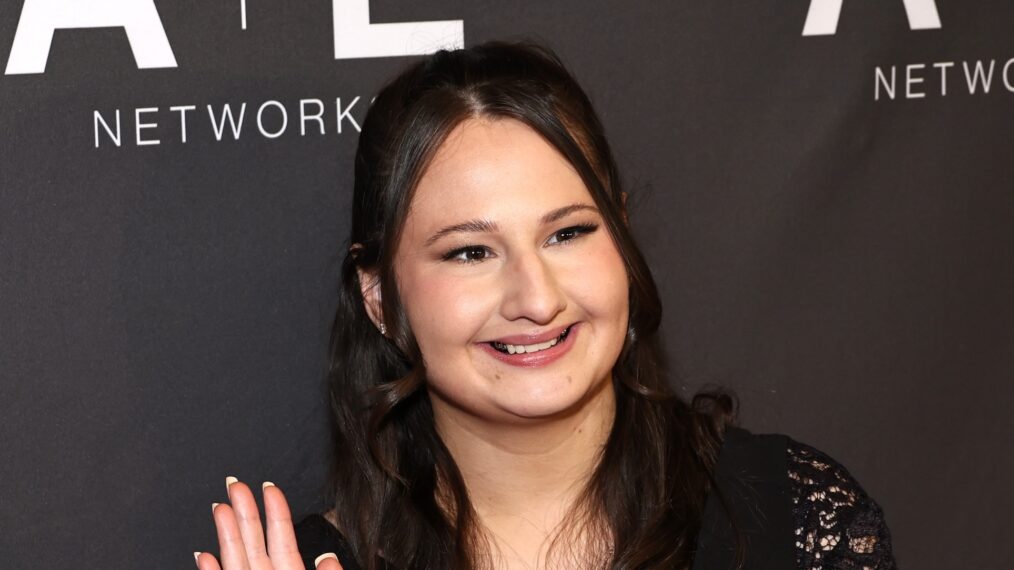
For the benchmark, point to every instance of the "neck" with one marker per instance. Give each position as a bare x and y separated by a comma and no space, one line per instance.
523,478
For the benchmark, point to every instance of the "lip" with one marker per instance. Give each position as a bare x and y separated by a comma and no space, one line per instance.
531,338
534,359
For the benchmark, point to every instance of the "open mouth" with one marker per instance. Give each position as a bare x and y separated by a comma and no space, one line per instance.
529,348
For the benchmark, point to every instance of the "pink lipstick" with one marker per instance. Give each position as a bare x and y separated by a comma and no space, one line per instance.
532,350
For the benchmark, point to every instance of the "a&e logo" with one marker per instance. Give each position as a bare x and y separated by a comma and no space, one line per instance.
822,19
354,35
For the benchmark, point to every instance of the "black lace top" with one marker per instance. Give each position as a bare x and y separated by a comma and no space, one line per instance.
835,524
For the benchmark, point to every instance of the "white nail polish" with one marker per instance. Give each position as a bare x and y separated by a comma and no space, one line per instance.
267,484
324,557
229,481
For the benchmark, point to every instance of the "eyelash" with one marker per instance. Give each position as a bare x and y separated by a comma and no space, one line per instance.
577,231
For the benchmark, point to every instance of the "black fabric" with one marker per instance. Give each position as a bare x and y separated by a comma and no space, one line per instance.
752,476
752,512
316,536
837,524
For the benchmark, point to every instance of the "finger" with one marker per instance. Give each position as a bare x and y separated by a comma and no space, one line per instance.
282,547
249,519
230,541
206,561
327,562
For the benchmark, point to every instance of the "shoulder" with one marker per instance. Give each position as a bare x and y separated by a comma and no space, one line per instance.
836,523
799,503
316,536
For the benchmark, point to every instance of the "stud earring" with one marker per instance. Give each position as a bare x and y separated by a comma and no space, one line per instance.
383,329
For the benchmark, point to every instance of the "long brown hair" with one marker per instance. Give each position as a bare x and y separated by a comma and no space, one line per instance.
400,500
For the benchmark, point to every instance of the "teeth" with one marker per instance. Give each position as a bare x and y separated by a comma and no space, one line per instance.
526,348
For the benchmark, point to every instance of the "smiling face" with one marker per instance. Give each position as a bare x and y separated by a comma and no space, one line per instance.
511,283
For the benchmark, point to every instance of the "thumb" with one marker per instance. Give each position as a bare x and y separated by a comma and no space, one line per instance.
327,561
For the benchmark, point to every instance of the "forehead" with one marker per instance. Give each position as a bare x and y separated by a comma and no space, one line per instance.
500,170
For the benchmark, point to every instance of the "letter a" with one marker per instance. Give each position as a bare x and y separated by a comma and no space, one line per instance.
356,37
822,19
40,18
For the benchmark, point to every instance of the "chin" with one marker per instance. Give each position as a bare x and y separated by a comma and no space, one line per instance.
540,404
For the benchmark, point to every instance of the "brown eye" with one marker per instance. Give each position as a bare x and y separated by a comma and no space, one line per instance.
567,234
475,253
571,233
468,254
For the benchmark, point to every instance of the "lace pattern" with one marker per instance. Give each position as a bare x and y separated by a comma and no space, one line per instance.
837,525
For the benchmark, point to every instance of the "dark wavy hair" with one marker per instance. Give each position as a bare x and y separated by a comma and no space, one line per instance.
399,498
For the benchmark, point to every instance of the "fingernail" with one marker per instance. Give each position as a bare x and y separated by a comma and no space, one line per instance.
229,481
267,484
196,556
213,505
324,557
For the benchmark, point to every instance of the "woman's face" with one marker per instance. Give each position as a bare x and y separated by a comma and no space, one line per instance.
512,285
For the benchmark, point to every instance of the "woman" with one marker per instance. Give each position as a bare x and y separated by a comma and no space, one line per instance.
496,379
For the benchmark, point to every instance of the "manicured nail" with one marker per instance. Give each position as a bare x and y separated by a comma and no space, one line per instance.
196,556
213,505
266,484
229,481
324,557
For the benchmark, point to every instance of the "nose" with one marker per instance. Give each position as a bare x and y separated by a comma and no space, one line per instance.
532,290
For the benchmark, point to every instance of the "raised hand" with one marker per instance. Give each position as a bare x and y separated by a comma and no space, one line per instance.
241,537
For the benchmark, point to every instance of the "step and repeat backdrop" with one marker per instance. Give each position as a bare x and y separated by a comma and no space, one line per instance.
825,189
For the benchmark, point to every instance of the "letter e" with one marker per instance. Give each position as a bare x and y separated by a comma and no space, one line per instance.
356,37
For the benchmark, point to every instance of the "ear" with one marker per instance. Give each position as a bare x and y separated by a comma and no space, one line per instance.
369,284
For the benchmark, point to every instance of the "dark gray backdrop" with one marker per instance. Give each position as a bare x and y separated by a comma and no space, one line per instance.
839,257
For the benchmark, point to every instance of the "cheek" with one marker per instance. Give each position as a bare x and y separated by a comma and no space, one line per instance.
444,311
599,285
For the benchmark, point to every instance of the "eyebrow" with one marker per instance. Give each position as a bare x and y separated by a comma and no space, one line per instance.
473,226
487,226
560,213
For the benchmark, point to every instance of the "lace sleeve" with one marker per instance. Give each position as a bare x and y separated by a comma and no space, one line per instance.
837,525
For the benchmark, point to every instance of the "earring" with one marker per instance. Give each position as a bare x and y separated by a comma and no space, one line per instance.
383,329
